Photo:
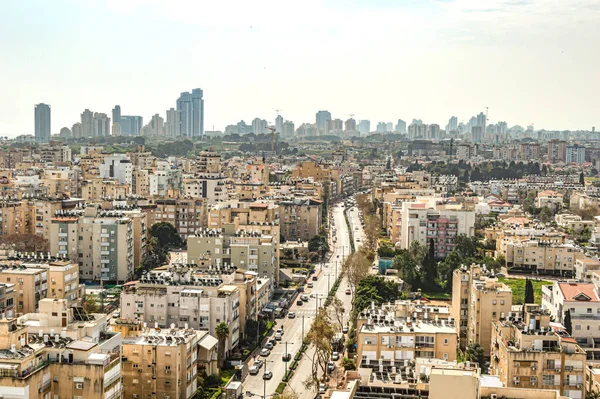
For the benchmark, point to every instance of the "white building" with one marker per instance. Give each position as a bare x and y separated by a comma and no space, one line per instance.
575,154
117,167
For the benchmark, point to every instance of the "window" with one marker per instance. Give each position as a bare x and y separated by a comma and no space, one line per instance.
494,315
547,379
445,356
445,341
589,310
502,302
494,302
577,327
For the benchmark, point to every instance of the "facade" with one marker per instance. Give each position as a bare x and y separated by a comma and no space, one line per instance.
549,199
527,353
466,151
583,303
322,120
300,218
191,113
557,151
42,123
392,335
575,154
117,167
30,286
186,215
542,256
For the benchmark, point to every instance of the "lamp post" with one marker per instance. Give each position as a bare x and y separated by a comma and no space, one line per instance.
286,356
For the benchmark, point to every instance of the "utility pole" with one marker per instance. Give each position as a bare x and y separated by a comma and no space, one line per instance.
286,354
302,329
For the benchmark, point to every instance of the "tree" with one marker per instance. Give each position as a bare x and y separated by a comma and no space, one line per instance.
592,395
545,215
222,333
338,311
567,322
25,243
407,268
320,336
417,252
167,235
581,179
465,246
429,265
476,354
356,267
529,294
372,229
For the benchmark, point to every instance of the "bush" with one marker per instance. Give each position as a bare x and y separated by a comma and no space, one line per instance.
280,388
348,364
212,381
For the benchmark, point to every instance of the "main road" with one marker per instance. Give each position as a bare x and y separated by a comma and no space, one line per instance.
295,329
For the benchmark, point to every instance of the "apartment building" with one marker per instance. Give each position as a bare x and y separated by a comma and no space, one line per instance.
541,256
528,353
8,300
161,364
397,333
583,303
478,299
549,199
211,187
53,365
420,222
573,222
251,251
529,151
466,151
100,241
301,218
30,285
186,215
165,182
140,182
557,151
97,188
185,296
311,169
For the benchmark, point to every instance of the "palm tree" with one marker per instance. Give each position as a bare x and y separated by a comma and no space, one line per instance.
222,332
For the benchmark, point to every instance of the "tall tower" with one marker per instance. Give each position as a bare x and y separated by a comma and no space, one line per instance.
197,113
279,124
184,106
87,123
116,118
42,123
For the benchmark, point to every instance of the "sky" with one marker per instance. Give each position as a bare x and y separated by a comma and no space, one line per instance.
529,61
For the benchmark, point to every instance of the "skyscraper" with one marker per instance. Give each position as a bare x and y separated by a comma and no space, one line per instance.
322,119
116,118
350,125
401,126
191,113
482,120
131,125
259,126
452,124
76,130
364,127
279,124
381,127
173,126
197,113
288,129
100,125
87,122
389,127
42,123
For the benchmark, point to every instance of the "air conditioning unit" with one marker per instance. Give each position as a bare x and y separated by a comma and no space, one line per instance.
167,371
493,396
579,386
79,385
534,367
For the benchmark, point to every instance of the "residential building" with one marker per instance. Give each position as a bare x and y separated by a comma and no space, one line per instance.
185,214
549,199
117,167
322,120
557,151
173,125
8,300
131,125
100,125
30,285
399,332
478,299
573,222
301,218
542,257
583,303
42,123
466,151
288,129
529,151
401,127
279,124
364,127
575,154
528,353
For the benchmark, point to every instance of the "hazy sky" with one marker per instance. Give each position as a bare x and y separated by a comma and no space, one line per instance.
527,60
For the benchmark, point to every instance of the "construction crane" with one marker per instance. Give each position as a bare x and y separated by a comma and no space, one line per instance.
278,111
272,129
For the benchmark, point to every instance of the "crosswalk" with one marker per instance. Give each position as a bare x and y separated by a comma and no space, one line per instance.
304,313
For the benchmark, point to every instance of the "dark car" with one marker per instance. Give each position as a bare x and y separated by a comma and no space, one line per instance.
299,302
315,278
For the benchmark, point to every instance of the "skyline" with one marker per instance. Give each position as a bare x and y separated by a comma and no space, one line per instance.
381,60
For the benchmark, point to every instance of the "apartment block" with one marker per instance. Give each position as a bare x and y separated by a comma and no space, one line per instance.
478,299
54,365
187,296
8,300
399,332
420,222
250,251
528,353
97,188
549,199
211,187
186,215
301,218
541,256
30,285
101,242
583,303
557,151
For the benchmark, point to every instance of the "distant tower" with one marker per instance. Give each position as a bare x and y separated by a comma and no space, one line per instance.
42,123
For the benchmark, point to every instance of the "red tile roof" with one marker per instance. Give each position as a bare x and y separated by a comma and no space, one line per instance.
579,292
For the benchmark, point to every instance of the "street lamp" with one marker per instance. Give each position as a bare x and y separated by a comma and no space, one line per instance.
285,357
264,395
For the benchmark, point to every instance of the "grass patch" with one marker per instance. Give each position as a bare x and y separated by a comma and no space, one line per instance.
438,295
226,376
280,388
517,285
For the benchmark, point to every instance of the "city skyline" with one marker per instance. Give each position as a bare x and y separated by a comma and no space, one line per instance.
523,78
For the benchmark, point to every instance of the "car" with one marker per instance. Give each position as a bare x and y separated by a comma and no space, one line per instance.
310,284
345,329
278,336
267,375
254,369
348,292
264,352
357,239
304,298
335,356
322,388
330,366
315,278
299,302
272,341
291,315
116,315
269,345
286,357
279,330
313,295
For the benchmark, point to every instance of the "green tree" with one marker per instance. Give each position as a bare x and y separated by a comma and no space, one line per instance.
222,333
592,395
167,235
407,268
581,179
430,265
417,252
567,322
545,215
465,246
529,294
476,354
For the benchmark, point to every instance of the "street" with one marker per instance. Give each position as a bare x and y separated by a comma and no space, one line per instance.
293,328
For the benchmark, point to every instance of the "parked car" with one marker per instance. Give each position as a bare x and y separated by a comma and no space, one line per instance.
267,375
265,352
348,292
299,302
286,357
304,298
279,330
345,329
335,356
310,284
330,366
291,315
254,369
269,345
315,278
322,388
278,336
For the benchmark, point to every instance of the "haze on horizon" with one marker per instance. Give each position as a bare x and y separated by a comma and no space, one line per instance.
529,61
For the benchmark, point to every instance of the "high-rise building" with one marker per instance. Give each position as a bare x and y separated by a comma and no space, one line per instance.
482,120
76,130
416,130
116,129
557,151
389,127
259,126
100,125
364,127
87,123
401,127
279,124
351,125
197,113
173,126
116,117
65,132
42,123
336,124
288,129
433,131
381,127
575,153
131,125
476,134
322,120
157,124
191,113
452,124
